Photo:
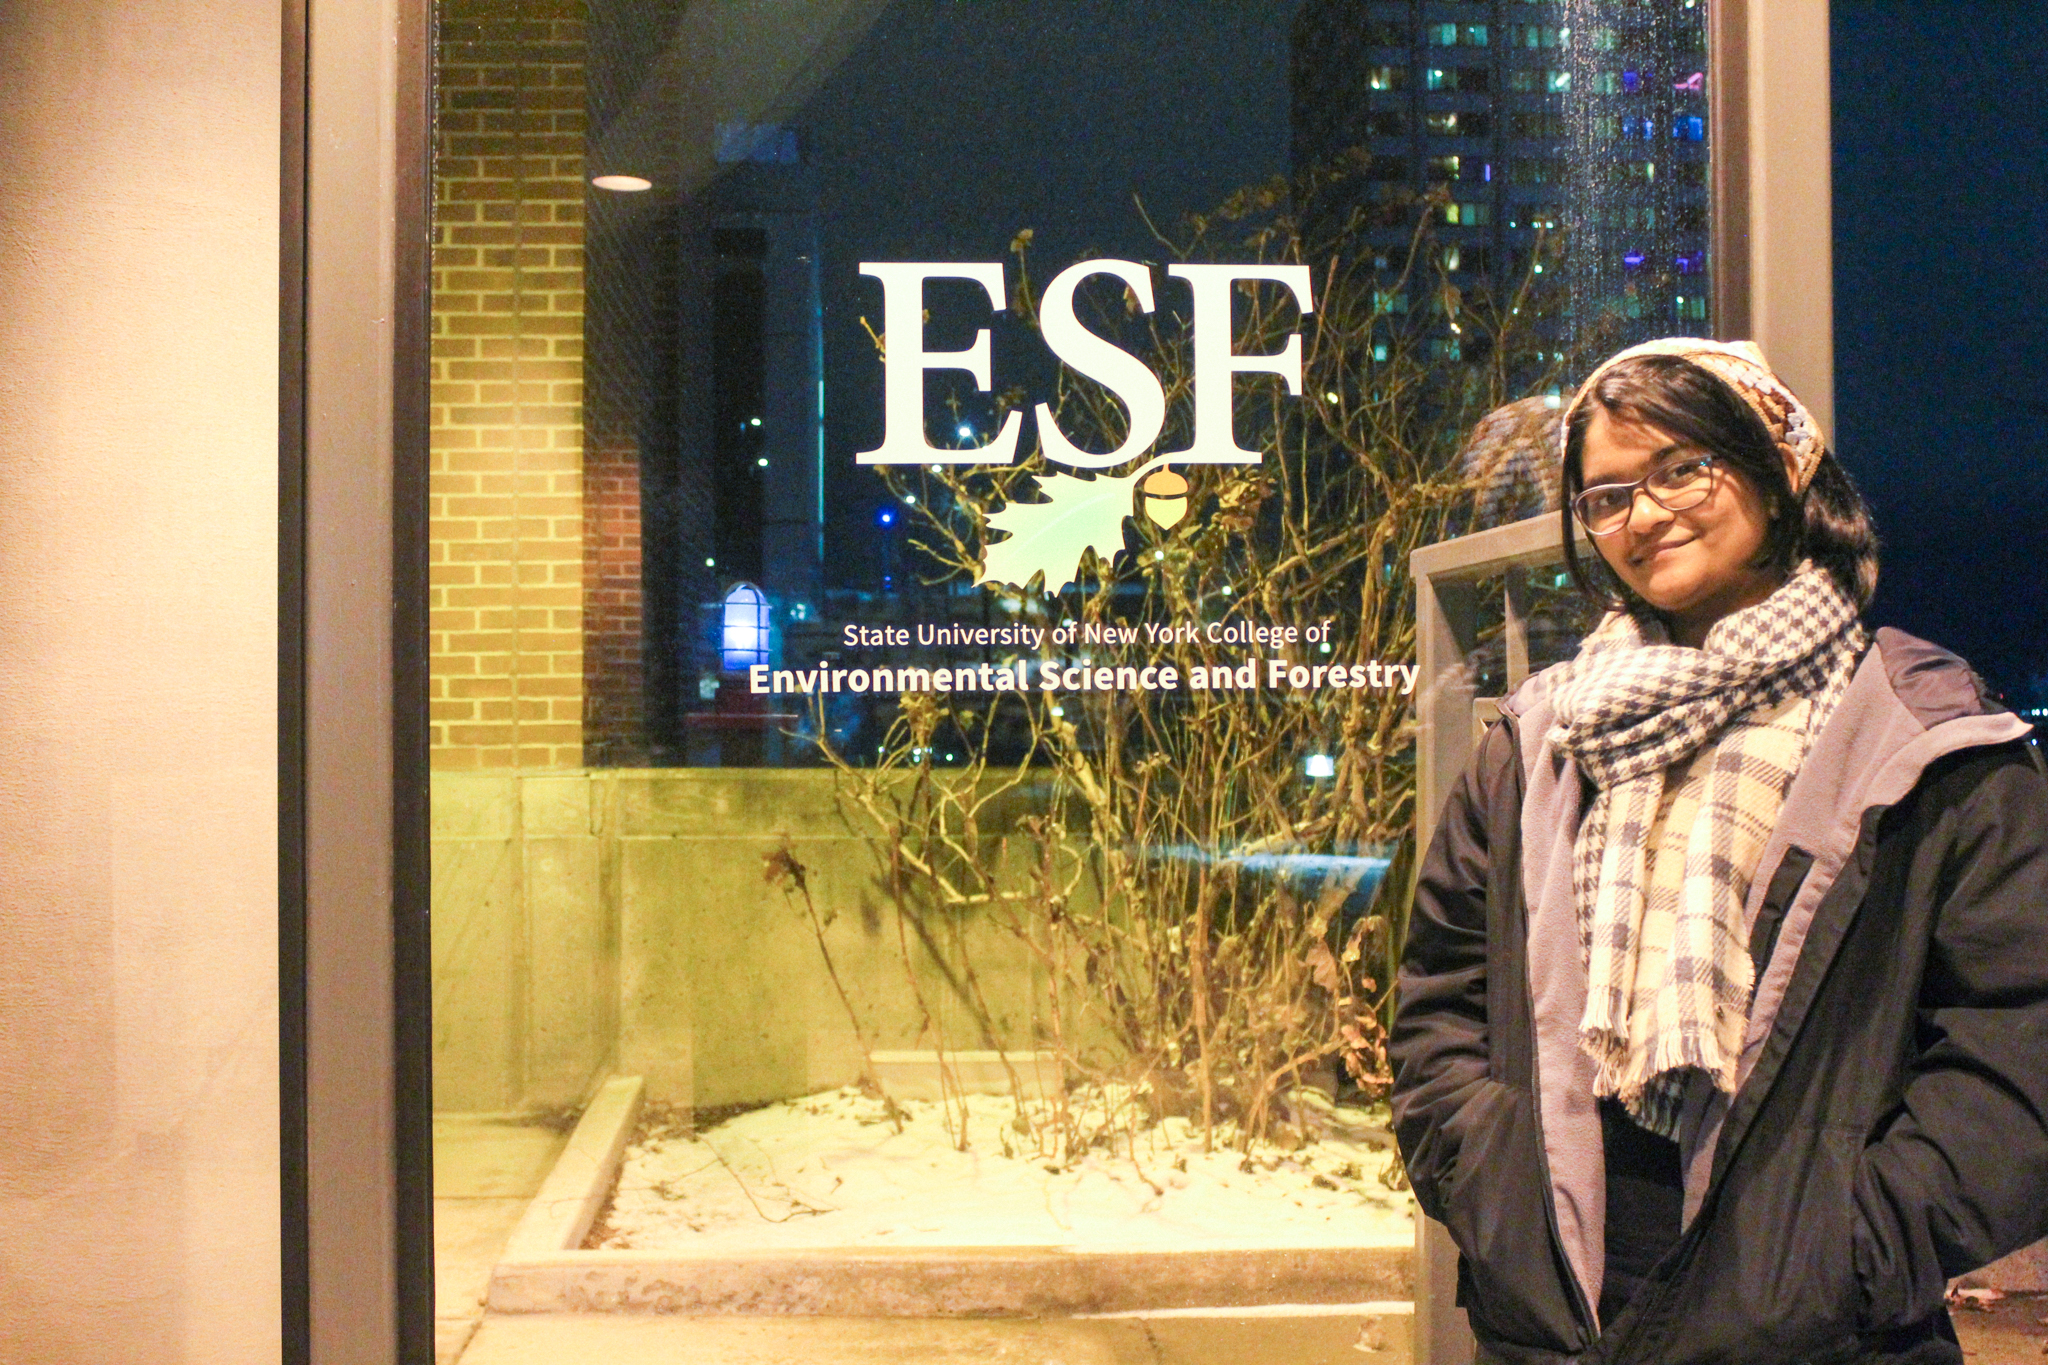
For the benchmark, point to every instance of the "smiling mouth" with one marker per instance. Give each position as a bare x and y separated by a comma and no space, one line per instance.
1644,556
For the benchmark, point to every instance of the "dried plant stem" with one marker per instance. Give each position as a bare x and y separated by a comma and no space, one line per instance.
1188,965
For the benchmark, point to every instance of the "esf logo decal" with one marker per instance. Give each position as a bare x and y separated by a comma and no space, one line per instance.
1213,363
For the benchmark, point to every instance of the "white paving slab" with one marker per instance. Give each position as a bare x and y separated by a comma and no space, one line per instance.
487,1167
1357,1334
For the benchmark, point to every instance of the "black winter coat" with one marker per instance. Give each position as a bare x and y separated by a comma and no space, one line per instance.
1890,1130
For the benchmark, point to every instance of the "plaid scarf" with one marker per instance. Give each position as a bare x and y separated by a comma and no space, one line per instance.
1630,708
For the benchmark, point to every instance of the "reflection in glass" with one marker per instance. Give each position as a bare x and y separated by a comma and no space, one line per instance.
743,629
749,782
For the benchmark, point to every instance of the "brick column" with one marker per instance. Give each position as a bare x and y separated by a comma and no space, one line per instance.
507,452
613,678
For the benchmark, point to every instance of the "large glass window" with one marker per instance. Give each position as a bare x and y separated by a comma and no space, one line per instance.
924,651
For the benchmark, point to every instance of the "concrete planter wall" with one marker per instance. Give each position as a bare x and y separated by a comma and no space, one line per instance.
599,921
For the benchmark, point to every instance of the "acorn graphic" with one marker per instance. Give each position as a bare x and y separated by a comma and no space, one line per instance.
1164,496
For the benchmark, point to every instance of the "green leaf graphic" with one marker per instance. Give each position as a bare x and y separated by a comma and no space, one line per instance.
1081,514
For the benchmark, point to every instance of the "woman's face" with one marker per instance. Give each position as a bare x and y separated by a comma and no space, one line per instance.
1695,566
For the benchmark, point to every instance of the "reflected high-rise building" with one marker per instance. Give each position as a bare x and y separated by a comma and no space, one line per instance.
1581,119
703,372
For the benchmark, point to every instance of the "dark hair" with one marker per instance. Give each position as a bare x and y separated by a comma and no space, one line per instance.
1828,523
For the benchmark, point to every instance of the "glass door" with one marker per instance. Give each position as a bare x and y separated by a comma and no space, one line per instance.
924,657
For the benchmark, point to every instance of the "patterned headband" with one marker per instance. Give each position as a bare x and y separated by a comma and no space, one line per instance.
1742,367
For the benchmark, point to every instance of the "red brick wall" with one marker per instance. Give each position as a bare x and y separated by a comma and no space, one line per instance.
613,679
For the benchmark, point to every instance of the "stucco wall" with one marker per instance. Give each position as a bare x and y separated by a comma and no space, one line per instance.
138,381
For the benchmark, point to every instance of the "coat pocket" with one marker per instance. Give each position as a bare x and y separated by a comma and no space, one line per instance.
1775,1274
1496,1206
1899,1276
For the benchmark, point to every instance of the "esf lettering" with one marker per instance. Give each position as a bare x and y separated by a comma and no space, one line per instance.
1214,363
1152,678
1370,674
873,637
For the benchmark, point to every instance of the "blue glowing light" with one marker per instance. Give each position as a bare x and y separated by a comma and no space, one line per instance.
743,628
886,517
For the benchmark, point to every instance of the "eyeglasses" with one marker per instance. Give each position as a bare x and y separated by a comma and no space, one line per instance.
1674,486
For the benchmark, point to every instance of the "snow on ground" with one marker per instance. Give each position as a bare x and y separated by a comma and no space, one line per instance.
836,1169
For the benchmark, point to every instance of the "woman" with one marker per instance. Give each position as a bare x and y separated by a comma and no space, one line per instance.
1722,1030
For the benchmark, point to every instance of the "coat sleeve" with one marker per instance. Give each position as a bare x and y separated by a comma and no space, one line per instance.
1958,1173
1439,1042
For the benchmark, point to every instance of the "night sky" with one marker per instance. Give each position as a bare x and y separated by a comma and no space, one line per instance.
1941,317
953,124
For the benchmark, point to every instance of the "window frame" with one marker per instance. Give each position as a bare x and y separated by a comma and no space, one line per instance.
353,870
354,1027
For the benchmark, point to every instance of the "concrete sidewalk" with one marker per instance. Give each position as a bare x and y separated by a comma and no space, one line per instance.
486,1169
1366,1334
